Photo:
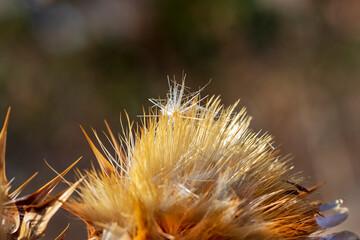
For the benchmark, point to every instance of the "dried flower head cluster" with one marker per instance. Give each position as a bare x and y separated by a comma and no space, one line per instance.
197,171
26,218
190,170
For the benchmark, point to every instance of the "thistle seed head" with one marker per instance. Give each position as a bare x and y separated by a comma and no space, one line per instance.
197,171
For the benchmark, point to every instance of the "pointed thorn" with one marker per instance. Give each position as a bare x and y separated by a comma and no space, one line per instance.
15,193
105,166
40,195
3,147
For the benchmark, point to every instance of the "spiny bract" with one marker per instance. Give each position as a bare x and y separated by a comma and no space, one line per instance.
26,218
197,171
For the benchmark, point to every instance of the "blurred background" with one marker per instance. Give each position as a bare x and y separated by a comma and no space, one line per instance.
294,64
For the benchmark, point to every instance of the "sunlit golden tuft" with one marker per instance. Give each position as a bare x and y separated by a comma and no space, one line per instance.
193,171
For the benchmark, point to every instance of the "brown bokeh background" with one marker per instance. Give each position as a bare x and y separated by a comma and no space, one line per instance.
294,64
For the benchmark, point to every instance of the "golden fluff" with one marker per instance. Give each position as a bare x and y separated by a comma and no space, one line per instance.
197,171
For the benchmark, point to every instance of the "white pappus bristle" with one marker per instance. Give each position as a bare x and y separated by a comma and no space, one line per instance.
194,171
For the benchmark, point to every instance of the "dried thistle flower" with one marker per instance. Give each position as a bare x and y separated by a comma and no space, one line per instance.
26,218
194,171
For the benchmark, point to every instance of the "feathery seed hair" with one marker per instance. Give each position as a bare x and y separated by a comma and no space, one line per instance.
197,171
